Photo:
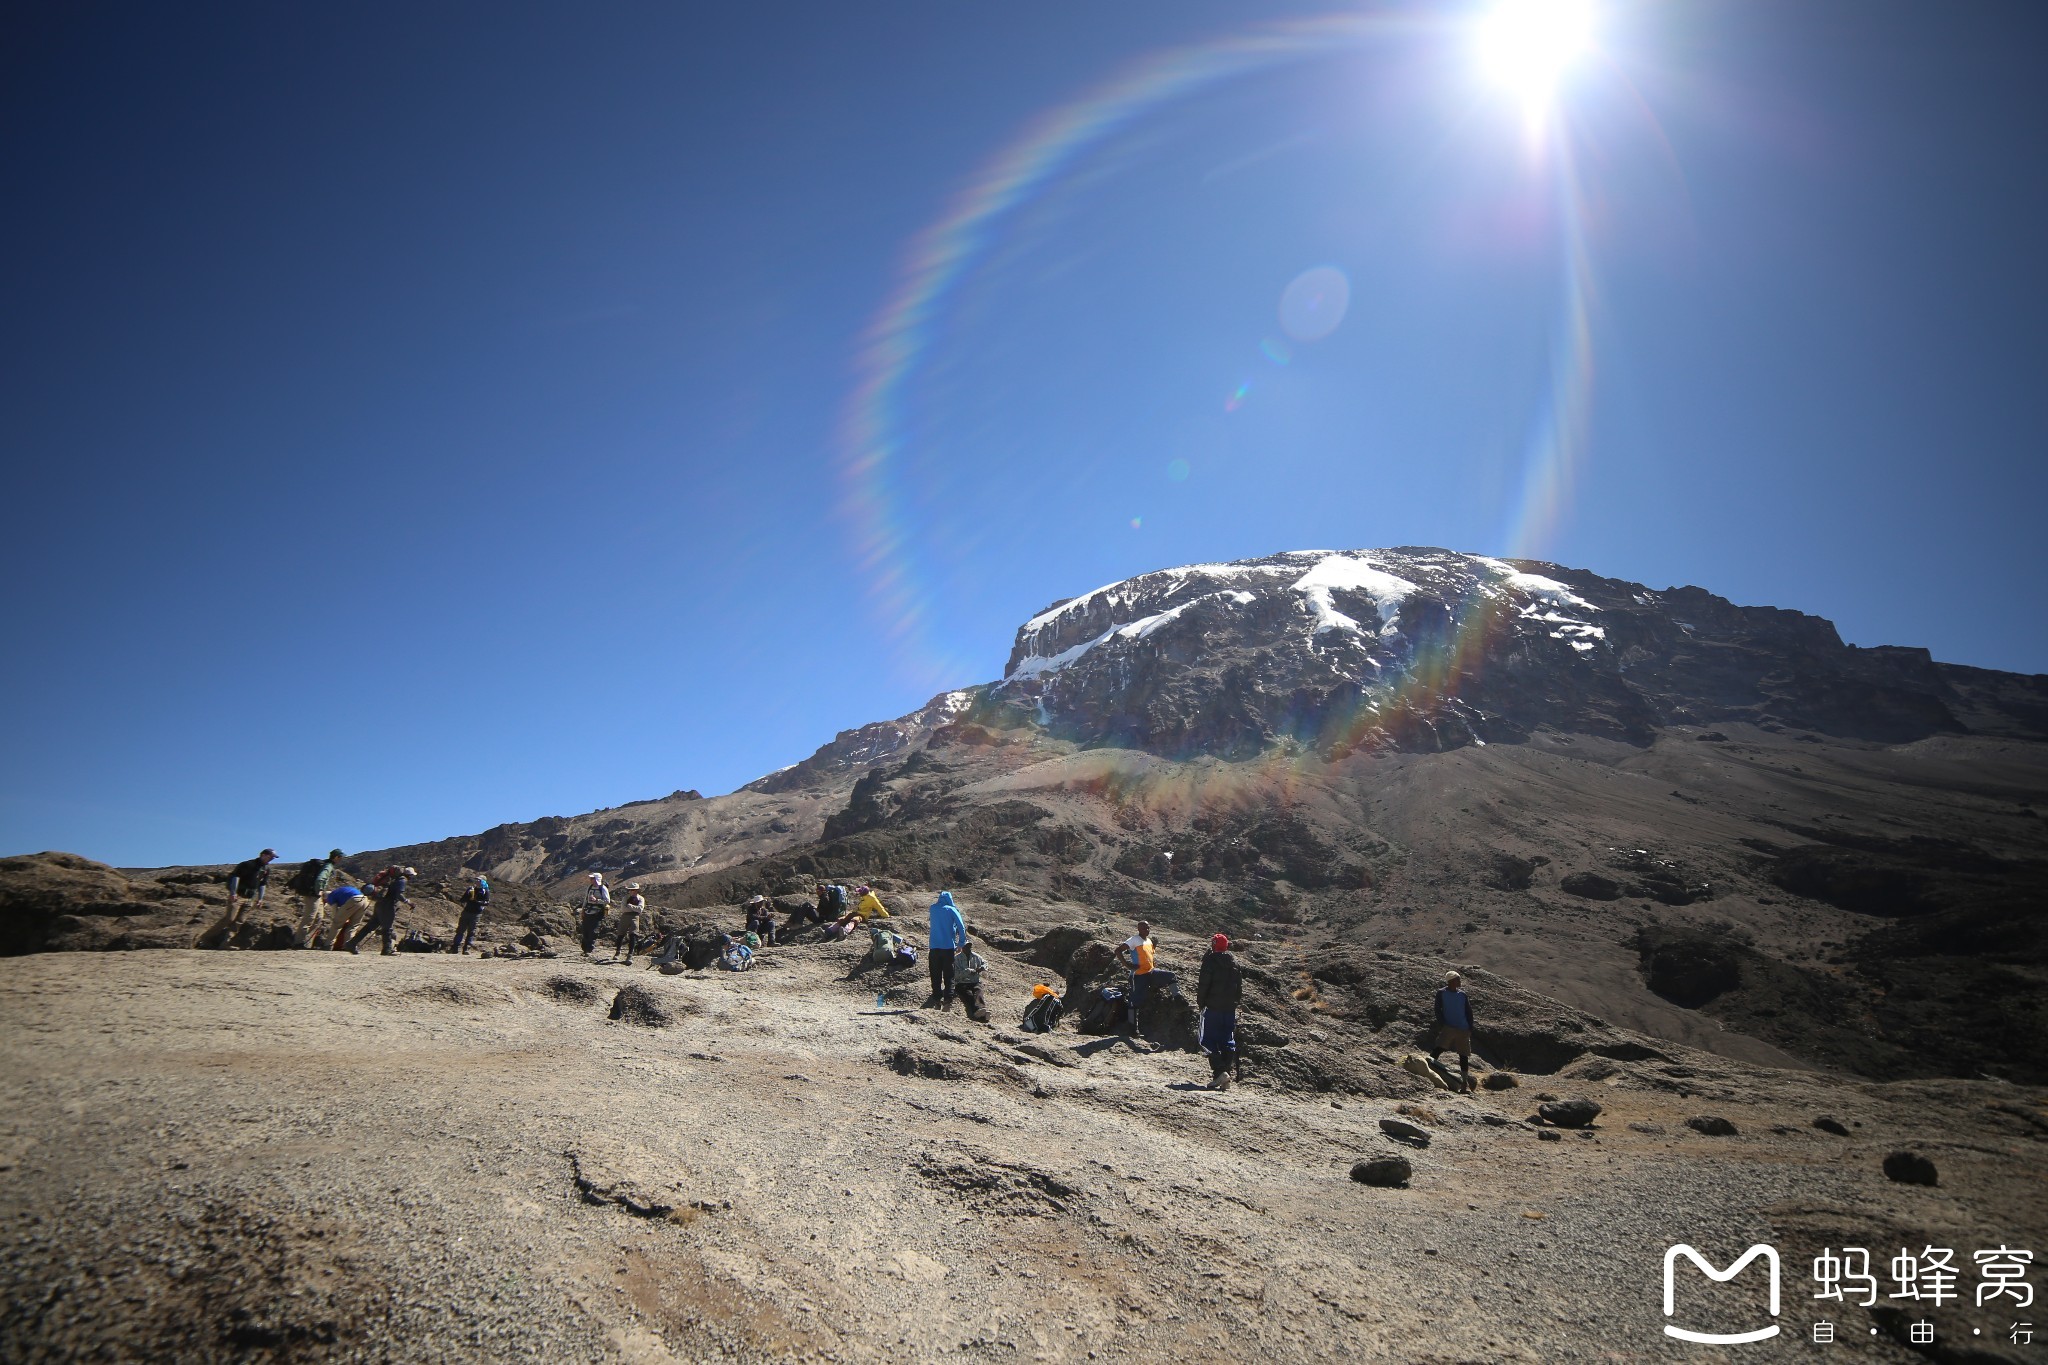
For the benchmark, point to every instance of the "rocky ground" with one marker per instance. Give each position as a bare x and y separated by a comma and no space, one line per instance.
298,1155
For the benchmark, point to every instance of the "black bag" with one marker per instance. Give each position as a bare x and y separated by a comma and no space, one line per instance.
1043,1014
307,879
837,895
1105,1012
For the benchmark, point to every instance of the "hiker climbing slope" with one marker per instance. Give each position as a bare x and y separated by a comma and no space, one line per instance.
1454,1025
310,884
389,897
473,902
948,936
245,888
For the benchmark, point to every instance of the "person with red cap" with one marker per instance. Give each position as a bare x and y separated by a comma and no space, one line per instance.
1217,992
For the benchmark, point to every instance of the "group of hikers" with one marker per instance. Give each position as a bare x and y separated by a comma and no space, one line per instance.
360,907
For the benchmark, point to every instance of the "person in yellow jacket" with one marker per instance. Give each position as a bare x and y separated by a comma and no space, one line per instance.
866,906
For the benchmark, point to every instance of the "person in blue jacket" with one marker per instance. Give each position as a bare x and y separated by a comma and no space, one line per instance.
948,936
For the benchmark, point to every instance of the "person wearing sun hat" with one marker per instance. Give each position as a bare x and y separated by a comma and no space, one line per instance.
630,919
597,903
1218,990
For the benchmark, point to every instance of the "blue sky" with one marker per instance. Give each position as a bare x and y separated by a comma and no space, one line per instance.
416,419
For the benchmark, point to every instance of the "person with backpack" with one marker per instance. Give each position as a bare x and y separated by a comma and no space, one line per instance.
1139,954
310,884
948,936
246,882
473,902
630,920
597,903
385,920
1454,1026
968,966
733,955
1218,990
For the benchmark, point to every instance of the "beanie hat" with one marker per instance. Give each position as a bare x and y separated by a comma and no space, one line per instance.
1220,943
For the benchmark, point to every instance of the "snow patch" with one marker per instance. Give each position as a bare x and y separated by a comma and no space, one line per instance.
1344,572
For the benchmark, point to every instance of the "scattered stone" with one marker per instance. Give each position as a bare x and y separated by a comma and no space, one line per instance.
1500,1080
1495,1121
1386,1172
1644,1126
1550,1135
1828,1124
1545,1096
1910,1168
1569,1113
1716,737
1402,1131
1712,1125
1417,1112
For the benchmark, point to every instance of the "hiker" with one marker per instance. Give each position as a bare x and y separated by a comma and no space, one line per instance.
597,901
473,902
629,923
245,888
967,970
347,904
948,936
310,885
1454,1025
1138,953
385,920
869,906
733,955
761,918
1217,992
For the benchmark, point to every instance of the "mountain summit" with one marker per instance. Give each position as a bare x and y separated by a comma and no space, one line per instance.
1424,649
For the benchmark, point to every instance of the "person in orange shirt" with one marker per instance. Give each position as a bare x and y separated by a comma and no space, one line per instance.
1138,953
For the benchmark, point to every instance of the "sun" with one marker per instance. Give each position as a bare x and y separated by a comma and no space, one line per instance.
1529,45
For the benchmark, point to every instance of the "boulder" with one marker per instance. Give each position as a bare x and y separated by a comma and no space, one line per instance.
1569,1113
635,1004
1400,1130
1386,1172
1910,1168
1712,1125
1416,1065
1828,1124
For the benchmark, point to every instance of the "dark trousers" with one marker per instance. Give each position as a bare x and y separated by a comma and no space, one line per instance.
382,924
1219,1040
593,921
465,931
977,1007
941,961
1136,1003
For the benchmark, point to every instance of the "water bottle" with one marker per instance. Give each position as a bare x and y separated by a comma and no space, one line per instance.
881,999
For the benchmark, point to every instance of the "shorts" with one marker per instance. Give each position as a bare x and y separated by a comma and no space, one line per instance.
1458,1040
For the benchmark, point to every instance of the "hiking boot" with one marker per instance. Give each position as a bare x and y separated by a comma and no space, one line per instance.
357,951
1222,1081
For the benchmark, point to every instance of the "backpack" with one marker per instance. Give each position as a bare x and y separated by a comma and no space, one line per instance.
737,958
483,892
1104,1011
882,945
307,879
382,877
837,895
1043,1014
906,955
752,940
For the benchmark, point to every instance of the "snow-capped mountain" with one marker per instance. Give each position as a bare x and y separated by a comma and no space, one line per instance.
1430,649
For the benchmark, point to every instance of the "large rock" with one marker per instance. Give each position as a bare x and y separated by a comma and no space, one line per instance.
1387,1172
1712,1125
1568,1113
1400,1130
1911,1168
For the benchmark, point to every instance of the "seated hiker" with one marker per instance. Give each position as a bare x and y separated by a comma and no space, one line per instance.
1042,1015
733,955
1217,993
968,966
1454,1026
867,907
761,918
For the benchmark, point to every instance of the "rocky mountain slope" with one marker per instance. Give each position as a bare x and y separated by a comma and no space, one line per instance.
1713,823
